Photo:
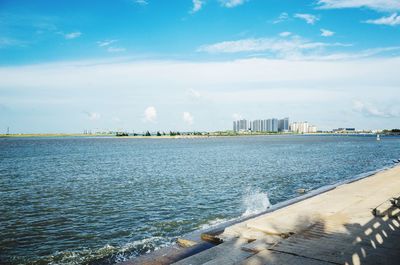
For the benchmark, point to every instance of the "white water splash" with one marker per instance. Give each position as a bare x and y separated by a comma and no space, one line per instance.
255,201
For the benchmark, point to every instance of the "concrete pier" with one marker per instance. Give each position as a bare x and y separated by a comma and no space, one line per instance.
354,223
335,227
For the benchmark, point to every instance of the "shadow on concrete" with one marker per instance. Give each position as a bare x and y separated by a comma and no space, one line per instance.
339,241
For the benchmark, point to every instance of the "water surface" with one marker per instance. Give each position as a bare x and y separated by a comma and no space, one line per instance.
103,200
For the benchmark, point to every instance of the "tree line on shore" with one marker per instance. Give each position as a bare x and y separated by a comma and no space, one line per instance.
158,133
392,132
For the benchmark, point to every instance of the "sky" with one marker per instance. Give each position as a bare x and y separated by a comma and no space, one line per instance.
197,65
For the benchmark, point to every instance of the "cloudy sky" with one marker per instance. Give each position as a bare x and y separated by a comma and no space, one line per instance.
67,66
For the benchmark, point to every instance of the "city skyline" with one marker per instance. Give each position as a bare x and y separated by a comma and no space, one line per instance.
262,125
197,65
273,125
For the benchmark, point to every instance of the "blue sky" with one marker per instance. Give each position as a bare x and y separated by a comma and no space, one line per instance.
66,66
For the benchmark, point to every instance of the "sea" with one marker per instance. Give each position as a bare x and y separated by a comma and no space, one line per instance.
103,200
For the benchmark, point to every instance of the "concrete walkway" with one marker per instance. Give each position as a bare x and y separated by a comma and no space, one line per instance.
336,227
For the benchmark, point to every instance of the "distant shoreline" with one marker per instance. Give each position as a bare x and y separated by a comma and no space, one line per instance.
182,136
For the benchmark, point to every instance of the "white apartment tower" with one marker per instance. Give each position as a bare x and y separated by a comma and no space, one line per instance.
240,125
302,127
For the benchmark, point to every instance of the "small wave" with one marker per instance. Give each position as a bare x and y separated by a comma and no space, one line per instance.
213,223
255,201
140,247
107,254
79,256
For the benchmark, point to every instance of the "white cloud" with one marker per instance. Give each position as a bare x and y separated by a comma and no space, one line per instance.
150,114
285,34
6,42
231,3
301,88
141,2
327,33
282,17
187,117
93,116
72,35
197,5
379,5
369,110
356,55
214,74
115,49
308,18
294,47
106,43
237,116
392,20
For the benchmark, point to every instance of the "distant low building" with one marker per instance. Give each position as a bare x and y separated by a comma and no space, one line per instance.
312,129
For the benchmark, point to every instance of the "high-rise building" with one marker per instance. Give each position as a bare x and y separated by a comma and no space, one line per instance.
293,127
299,127
269,125
283,125
302,127
272,125
256,126
263,126
240,125
259,124
275,125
